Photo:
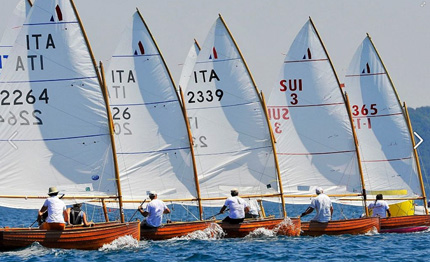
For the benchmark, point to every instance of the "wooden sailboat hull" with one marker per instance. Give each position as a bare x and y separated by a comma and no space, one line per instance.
340,227
177,229
243,229
405,224
73,237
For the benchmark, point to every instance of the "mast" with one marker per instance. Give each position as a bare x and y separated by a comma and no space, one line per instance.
360,168
358,154
417,162
104,90
30,3
111,133
265,113
407,120
190,138
183,113
275,156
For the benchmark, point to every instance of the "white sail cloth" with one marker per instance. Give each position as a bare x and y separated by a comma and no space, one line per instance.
152,142
54,128
314,139
231,135
187,69
384,140
12,30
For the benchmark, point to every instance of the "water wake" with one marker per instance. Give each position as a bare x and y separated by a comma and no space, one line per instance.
120,243
372,232
214,231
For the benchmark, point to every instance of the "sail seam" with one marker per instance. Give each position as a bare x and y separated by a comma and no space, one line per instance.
318,153
218,60
374,74
231,152
53,23
387,160
393,114
142,104
149,152
125,56
309,60
51,139
50,80
210,107
331,104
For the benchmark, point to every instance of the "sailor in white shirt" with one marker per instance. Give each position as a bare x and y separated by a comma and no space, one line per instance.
379,207
153,212
56,212
323,206
238,207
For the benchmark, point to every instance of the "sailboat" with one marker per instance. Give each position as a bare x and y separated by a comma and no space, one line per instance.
386,142
232,140
151,134
188,66
314,135
55,129
12,29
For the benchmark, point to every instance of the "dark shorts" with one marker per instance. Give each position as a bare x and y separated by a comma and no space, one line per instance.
144,225
232,220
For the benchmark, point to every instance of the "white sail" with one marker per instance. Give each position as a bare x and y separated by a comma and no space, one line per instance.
12,29
384,140
314,139
187,69
54,127
152,142
231,135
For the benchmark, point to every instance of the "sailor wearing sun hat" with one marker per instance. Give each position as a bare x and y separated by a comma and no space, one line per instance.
56,211
323,206
238,208
154,211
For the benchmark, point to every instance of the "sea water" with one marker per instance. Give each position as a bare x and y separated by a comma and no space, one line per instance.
208,245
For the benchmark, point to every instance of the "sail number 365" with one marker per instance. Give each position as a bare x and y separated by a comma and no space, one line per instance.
356,110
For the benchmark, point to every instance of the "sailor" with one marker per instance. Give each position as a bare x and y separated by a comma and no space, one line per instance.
380,207
153,212
57,213
323,206
77,216
238,208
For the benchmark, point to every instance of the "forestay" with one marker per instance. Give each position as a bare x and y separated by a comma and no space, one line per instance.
315,144
153,147
231,135
12,29
384,140
54,127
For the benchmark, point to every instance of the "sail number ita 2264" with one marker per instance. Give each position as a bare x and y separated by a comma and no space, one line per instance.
18,98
